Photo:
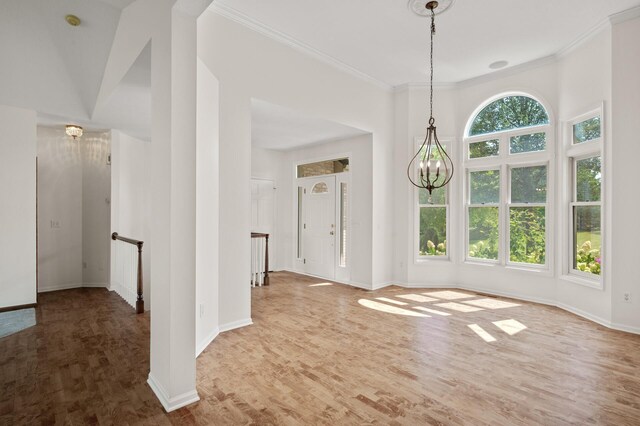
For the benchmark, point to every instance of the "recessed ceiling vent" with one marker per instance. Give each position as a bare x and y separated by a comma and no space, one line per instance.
419,7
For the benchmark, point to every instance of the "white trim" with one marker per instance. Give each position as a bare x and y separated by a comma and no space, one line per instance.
200,347
235,324
625,15
351,283
58,287
280,37
171,404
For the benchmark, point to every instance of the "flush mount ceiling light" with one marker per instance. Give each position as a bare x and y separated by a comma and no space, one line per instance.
421,170
72,20
74,131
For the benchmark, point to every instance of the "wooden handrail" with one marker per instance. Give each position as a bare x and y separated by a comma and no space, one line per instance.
140,300
266,254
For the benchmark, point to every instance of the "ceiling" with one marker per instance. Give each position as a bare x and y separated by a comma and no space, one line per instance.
276,127
57,69
386,41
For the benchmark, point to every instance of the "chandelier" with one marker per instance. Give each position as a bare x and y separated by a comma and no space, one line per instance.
74,131
431,167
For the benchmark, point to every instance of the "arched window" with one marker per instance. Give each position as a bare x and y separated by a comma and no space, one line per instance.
510,112
507,163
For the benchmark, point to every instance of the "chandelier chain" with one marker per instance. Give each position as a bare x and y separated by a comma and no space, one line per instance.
433,31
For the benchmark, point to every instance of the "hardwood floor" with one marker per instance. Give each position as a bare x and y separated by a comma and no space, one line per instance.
330,354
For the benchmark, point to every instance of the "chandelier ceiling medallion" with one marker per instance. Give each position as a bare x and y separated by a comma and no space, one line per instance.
431,167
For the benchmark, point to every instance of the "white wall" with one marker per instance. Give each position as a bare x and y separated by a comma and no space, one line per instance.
269,164
207,208
625,172
584,83
59,210
73,209
96,208
131,200
18,211
297,81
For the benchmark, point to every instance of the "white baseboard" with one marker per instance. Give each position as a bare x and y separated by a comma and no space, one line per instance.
382,285
363,286
68,286
207,341
96,285
235,324
171,404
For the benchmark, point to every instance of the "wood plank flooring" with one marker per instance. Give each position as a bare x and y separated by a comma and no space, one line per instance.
330,354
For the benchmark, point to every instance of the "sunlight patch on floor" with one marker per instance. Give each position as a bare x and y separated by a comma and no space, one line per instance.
510,326
416,298
395,302
320,284
383,307
449,295
491,303
458,307
432,311
482,333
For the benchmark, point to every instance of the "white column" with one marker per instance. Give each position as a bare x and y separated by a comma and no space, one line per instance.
173,215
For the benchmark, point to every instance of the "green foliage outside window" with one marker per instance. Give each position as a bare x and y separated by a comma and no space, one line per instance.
483,232
588,179
586,130
527,235
490,148
508,113
433,231
528,143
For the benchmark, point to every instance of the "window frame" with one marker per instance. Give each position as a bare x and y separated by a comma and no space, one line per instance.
448,144
505,161
468,206
572,154
510,204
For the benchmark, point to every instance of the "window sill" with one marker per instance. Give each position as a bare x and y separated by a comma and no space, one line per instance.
478,262
427,259
595,284
538,270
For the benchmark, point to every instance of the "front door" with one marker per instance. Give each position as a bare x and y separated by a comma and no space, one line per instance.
319,230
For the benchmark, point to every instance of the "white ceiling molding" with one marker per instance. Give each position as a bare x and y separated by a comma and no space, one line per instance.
242,19
625,15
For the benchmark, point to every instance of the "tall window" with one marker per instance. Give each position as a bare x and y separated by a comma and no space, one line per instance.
432,217
584,157
507,165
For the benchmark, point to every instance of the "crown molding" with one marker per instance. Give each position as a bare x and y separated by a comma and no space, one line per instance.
242,19
584,38
625,15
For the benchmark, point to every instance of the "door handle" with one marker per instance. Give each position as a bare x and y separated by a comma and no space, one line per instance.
331,233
